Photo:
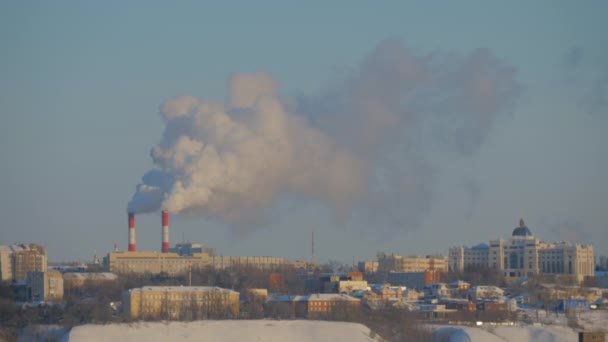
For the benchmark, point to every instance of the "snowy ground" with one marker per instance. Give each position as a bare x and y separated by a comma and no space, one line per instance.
551,328
260,330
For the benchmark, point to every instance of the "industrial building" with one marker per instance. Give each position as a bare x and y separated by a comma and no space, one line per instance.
180,302
524,255
16,261
154,262
180,259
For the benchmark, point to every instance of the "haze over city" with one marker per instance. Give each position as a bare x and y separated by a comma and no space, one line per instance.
408,128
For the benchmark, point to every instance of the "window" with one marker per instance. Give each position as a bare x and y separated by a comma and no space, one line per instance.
513,260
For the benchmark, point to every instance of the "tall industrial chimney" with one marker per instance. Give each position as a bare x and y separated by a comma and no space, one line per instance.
131,232
165,232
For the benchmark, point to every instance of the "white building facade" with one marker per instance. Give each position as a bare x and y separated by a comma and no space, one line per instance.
524,255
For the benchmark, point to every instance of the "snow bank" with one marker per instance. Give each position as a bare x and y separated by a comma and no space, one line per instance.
259,330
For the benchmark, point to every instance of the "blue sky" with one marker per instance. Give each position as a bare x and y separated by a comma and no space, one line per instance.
81,84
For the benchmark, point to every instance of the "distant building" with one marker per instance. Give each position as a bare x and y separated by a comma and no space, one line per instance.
397,263
601,277
314,306
368,266
180,302
17,260
485,292
74,280
413,280
176,264
524,255
154,262
267,263
387,292
189,249
44,286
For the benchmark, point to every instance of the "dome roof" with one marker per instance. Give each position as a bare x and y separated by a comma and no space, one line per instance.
522,230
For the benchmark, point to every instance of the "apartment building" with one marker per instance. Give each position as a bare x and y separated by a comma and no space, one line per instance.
44,286
397,263
16,261
180,302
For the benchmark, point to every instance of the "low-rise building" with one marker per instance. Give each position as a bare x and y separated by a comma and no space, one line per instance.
413,280
314,306
180,302
44,286
477,293
348,286
74,280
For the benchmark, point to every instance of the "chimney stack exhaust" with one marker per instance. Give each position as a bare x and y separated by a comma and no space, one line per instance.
131,232
165,232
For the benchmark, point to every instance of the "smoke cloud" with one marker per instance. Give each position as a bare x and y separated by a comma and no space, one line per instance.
359,147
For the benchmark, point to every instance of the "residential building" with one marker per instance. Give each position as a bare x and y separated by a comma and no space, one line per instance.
413,280
314,306
73,280
368,266
397,263
180,302
387,292
524,255
485,292
44,286
16,261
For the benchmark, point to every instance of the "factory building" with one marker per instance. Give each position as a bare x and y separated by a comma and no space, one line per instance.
154,262
266,263
524,255
180,302
180,259
17,260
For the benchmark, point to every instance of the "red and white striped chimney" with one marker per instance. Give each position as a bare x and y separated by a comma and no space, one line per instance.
165,232
131,232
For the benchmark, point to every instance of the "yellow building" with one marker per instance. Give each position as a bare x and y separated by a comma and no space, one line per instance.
180,303
397,263
17,260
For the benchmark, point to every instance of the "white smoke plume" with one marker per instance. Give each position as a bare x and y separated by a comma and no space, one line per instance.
357,147
232,161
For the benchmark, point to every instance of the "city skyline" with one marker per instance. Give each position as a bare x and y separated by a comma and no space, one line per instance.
83,85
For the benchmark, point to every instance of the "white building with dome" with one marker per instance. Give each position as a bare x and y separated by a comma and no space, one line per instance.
523,255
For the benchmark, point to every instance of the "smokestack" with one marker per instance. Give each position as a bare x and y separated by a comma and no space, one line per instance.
165,232
131,232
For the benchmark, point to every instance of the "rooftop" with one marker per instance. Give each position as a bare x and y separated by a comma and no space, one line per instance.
522,230
181,289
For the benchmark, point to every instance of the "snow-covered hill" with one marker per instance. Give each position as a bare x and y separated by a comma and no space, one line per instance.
260,330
